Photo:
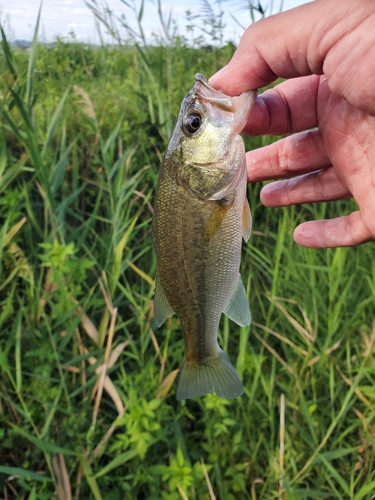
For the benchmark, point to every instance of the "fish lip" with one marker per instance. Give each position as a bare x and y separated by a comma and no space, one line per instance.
201,79
197,96
203,92
218,99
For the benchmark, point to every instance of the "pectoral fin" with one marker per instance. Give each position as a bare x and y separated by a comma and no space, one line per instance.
216,219
162,308
238,309
246,221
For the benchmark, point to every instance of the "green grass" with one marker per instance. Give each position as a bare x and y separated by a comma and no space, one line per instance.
83,131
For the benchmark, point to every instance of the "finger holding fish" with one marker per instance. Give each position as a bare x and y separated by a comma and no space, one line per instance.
321,37
287,108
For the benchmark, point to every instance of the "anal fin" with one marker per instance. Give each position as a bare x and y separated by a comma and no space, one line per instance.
238,309
162,308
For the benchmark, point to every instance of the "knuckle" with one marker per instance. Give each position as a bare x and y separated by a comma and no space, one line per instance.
283,159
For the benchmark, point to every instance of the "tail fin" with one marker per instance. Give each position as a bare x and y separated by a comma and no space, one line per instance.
213,374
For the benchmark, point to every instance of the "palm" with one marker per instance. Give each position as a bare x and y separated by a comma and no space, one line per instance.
334,161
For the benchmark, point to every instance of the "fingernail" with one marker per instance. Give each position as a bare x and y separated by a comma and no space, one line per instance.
271,187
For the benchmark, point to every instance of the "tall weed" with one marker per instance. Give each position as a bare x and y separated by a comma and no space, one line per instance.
87,405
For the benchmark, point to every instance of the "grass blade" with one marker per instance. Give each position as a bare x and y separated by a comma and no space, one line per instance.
32,62
367,488
8,54
44,445
24,474
116,462
91,481
54,122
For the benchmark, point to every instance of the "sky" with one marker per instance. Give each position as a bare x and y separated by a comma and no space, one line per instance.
61,17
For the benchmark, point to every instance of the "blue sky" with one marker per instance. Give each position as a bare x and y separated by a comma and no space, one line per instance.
59,17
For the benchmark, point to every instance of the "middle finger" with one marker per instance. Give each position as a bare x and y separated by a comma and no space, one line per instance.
289,107
323,185
294,155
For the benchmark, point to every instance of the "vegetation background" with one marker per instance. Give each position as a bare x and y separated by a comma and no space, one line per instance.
87,384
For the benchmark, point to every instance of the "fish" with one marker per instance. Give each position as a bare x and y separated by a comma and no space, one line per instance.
201,214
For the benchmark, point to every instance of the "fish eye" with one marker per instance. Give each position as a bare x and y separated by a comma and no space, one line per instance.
192,123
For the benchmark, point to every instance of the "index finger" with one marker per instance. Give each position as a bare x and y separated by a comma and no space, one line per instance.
289,107
300,42
271,48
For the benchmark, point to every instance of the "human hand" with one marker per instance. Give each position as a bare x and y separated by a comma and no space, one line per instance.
335,39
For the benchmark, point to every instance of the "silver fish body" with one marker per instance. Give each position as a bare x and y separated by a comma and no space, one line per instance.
200,216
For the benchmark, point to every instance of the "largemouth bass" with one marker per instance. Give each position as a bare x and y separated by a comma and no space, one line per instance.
200,216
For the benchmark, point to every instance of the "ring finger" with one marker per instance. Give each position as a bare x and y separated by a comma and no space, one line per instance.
323,185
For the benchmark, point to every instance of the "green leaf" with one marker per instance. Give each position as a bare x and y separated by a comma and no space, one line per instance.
33,494
336,475
43,445
8,54
11,172
180,457
303,494
90,477
3,237
17,351
24,474
154,403
58,172
367,488
32,62
333,455
22,109
54,122
13,126
4,362
116,462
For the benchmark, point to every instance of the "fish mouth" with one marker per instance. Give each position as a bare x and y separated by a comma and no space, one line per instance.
200,78
217,104
218,99
202,93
